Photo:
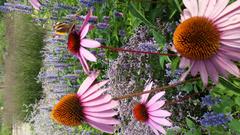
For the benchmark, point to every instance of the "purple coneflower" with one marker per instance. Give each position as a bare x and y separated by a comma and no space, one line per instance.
89,106
77,44
150,112
208,38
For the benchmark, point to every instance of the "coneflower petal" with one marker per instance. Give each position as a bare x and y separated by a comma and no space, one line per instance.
103,99
101,108
212,71
103,114
94,95
219,7
157,126
161,121
89,43
156,105
202,7
160,113
144,97
94,88
106,121
155,98
84,31
228,11
102,127
88,82
88,55
84,64
210,7
203,73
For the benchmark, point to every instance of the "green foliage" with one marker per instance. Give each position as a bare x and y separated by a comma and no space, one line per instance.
23,62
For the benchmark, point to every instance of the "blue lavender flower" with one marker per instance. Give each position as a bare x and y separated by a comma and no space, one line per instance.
106,19
102,25
5,9
100,40
122,32
209,100
61,6
118,14
214,119
148,47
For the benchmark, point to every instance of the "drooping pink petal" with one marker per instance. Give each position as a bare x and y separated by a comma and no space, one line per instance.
228,65
160,113
203,73
185,62
100,108
195,68
85,22
161,121
87,82
144,97
219,7
102,127
156,105
88,55
212,71
155,98
83,63
89,43
103,114
94,95
103,99
94,88
219,68
105,121
36,4
153,128
157,126
84,31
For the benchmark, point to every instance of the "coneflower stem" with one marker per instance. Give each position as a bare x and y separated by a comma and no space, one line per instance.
135,51
155,89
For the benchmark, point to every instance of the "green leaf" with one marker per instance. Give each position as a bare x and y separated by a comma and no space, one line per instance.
234,125
139,15
178,5
190,123
237,100
159,37
229,85
174,64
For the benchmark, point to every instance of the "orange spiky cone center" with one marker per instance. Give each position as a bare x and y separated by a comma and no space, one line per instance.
140,112
197,38
68,111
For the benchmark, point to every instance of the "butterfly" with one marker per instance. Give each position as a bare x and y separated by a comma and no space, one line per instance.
62,28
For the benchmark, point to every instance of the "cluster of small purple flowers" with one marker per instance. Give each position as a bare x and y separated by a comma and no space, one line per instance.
90,3
102,26
208,100
173,76
10,7
214,119
60,6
